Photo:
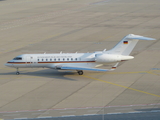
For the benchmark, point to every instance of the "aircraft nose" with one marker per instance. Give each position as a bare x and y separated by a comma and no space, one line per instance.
8,64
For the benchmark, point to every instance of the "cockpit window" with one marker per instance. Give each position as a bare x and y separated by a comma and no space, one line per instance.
17,58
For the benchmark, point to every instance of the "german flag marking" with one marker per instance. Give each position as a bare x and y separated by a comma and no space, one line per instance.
125,42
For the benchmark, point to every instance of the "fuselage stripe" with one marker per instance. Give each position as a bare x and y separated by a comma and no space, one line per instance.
50,62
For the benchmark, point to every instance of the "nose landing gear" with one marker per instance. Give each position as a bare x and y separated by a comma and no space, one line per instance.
17,73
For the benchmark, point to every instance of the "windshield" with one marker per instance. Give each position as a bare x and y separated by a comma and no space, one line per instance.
17,58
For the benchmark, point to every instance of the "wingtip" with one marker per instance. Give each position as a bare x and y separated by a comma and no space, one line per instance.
114,67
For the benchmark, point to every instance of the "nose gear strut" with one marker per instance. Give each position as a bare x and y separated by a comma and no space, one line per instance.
17,73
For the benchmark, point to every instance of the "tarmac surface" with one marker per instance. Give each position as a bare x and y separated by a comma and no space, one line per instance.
119,116
51,26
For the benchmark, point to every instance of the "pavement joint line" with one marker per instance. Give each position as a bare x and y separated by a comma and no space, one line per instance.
22,111
121,86
68,115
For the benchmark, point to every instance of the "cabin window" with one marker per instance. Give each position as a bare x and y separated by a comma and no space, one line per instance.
59,59
17,58
50,59
75,58
63,59
68,59
71,58
54,59
42,59
46,59
38,59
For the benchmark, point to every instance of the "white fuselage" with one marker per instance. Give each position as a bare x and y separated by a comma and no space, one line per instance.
72,59
53,60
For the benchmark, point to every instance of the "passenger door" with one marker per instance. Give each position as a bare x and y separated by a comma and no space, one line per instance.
28,61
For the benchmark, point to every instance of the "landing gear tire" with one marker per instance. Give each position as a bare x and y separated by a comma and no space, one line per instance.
17,73
80,72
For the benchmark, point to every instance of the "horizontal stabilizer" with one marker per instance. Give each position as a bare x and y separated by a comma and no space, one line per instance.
138,37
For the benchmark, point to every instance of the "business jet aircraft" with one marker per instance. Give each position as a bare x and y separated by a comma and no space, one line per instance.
80,61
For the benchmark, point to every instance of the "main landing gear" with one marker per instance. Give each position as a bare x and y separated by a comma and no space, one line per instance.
80,72
17,73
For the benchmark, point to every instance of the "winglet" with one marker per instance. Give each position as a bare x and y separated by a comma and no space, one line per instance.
114,67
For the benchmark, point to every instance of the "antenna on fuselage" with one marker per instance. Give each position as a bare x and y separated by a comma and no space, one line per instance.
104,50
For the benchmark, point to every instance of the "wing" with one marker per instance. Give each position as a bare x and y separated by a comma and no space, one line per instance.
86,68
81,68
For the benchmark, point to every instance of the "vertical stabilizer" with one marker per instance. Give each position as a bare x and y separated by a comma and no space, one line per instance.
127,44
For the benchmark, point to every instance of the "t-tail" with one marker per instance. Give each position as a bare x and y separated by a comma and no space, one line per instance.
121,52
127,44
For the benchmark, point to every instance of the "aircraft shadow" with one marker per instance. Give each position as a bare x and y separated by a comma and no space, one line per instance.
46,73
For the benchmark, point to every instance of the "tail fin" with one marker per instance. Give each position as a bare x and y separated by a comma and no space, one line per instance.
126,45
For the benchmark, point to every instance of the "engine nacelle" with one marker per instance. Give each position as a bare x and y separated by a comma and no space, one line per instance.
109,58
